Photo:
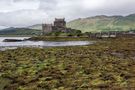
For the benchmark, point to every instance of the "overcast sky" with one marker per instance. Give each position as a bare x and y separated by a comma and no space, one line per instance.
29,12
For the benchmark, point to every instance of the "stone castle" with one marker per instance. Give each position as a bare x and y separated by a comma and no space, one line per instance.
59,25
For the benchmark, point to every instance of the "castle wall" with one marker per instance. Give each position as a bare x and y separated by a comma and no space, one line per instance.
59,25
47,28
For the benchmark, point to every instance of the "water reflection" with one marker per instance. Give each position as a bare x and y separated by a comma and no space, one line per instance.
13,45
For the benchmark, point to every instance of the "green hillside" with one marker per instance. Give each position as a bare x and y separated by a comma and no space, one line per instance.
103,23
90,24
20,31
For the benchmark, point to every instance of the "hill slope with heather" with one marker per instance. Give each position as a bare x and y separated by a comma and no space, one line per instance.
19,31
90,24
104,23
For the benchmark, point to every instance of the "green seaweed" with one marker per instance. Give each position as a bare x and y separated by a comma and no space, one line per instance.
109,63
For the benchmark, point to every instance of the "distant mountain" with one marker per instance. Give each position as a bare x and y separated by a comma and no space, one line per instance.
100,23
37,26
3,27
89,24
19,31
104,23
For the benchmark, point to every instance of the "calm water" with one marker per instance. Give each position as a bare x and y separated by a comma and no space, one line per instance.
14,45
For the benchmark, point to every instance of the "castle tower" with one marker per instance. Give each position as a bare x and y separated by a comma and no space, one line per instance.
59,26
60,22
47,28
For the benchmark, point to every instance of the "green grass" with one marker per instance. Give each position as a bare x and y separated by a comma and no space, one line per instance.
108,63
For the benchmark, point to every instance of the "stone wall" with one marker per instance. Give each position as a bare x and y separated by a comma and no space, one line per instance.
60,23
58,26
47,28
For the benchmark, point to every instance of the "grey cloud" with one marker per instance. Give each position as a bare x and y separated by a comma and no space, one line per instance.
22,18
11,5
28,12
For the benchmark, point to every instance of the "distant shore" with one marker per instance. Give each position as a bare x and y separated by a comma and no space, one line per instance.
17,35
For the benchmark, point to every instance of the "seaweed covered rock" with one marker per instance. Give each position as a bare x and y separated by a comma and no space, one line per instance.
12,40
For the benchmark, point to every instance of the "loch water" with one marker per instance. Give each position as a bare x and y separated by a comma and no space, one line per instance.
28,43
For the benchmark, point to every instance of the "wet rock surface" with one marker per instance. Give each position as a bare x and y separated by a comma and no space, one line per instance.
12,40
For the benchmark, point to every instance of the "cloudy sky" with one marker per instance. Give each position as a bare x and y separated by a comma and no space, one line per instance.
28,12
